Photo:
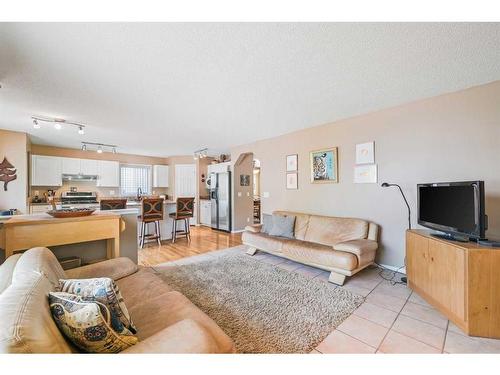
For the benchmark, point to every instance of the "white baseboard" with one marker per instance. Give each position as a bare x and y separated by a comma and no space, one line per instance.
392,268
238,231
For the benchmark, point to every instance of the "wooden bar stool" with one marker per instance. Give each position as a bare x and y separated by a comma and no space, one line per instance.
151,212
113,204
184,211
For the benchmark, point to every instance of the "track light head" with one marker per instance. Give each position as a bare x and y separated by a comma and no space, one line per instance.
36,125
80,130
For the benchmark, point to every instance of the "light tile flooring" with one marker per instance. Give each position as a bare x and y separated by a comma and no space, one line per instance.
393,319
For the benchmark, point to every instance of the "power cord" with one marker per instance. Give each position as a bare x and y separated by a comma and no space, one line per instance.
392,274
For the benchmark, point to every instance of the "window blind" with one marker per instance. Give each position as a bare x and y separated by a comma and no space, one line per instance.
133,177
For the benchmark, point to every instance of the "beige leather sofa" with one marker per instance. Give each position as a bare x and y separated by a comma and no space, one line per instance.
167,321
343,246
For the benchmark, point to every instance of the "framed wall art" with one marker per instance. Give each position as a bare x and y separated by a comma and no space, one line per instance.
324,166
365,153
292,181
292,163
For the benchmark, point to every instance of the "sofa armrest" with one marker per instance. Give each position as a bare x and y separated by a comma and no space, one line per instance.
357,247
115,269
255,228
186,336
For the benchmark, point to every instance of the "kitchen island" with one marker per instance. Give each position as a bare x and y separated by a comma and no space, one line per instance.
22,232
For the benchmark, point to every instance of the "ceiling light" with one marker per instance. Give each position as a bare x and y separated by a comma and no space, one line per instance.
80,130
84,147
99,149
114,150
57,126
36,125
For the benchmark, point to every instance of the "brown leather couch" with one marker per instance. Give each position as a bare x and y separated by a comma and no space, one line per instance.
343,246
167,322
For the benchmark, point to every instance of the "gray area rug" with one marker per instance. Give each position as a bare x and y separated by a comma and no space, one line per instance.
263,308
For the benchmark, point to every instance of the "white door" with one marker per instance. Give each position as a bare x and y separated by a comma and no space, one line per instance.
185,184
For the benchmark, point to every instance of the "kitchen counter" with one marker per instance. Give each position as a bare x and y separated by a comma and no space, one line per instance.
22,232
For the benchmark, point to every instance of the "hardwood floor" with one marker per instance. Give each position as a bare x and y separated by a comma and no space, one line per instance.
203,240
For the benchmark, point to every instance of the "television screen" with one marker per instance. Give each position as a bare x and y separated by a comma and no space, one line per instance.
453,207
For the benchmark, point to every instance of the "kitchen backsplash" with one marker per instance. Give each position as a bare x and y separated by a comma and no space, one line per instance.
85,186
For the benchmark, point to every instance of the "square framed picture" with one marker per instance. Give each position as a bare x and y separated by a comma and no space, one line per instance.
292,181
244,180
365,153
292,163
324,166
365,174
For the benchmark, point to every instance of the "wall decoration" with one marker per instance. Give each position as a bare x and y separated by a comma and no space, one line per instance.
365,153
292,163
324,166
7,173
244,180
292,181
365,174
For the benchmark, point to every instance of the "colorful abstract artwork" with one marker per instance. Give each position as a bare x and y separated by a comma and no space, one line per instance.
324,166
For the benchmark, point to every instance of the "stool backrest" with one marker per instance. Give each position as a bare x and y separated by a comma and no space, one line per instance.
152,209
113,204
185,207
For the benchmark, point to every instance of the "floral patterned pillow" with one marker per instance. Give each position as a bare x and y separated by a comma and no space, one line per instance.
105,291
87,324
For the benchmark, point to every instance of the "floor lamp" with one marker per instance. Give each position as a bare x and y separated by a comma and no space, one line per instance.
385,184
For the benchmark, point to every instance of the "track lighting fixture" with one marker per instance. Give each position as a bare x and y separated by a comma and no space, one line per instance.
99,147
58,123
200,154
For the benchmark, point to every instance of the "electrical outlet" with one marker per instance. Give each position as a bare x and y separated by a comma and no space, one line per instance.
266,194
248,219
248,194
239,193
37,192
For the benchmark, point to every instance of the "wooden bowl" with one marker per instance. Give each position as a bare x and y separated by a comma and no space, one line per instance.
75,212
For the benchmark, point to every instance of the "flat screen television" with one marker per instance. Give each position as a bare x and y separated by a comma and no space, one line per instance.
455,208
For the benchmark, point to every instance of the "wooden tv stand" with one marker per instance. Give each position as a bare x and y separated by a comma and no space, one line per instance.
462,280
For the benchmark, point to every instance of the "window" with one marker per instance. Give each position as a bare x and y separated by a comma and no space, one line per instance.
133,177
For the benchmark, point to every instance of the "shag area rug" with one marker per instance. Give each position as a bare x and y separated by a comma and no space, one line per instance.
263,308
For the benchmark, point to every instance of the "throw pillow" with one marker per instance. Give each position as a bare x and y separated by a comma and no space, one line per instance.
283,226
105,291
267,223
87,324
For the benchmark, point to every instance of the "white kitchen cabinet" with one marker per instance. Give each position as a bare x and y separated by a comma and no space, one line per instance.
160,176
79,166
46,170
89,167
205,212
70,166
109,173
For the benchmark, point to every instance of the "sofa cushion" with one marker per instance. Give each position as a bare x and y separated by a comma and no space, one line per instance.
115,269
155,314
331,230
27,325
317,254
301,223
282,226
41,260
264,241
105,291
6,271
186,336
267,223
88,324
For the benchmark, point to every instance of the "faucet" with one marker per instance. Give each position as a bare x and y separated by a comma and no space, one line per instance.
139,193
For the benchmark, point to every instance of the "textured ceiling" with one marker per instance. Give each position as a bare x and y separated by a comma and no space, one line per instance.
169,89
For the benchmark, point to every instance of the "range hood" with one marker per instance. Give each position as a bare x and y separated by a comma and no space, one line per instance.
79,177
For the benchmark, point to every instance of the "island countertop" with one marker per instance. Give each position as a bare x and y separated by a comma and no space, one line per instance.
45,218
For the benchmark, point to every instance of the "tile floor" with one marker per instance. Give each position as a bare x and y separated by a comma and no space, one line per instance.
393,319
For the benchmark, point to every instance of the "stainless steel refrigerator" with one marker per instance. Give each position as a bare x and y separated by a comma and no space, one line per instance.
220,198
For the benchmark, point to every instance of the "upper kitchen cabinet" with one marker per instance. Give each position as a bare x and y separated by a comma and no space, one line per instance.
89,167
109,173
46,170
160,176
86,167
